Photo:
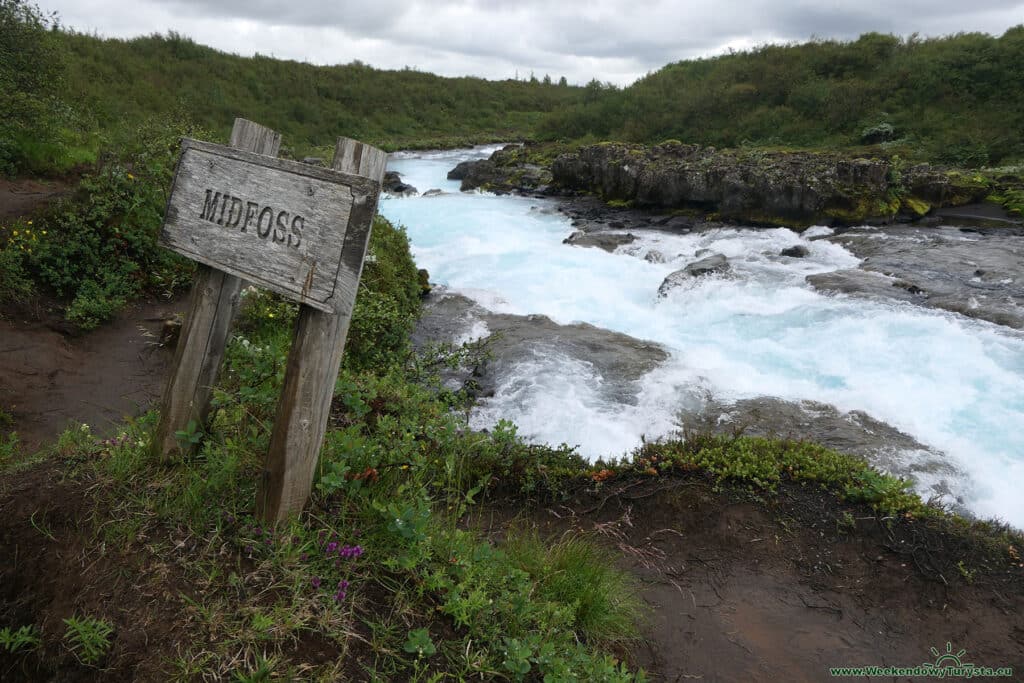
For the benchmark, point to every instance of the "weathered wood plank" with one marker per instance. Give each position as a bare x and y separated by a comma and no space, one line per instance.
276,223
304,407
205,331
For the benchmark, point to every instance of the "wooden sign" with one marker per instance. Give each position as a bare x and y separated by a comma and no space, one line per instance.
278,224
293,228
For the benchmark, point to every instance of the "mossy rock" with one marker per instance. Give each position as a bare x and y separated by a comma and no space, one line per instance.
915,207
965,188
865,209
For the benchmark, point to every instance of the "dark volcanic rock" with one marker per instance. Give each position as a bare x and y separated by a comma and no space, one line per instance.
507,170
460,170
609,241
796,251
619,359
979,274
776,188
716,263
393,185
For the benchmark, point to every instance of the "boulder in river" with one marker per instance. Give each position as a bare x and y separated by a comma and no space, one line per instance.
393,185
507,170
716,263
710,265
796,251
609,241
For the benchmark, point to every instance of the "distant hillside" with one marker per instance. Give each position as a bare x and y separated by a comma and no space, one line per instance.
113,82
956,100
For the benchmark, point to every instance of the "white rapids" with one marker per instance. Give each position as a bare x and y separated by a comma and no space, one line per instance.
953,383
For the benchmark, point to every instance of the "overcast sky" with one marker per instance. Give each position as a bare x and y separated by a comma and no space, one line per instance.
611,40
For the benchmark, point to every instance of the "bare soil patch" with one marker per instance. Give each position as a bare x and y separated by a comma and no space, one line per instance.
22,197
49,377
54,569
742,589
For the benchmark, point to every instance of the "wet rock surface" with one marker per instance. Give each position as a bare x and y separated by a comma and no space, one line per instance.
394,185
977,272
609,241
714,264
617,358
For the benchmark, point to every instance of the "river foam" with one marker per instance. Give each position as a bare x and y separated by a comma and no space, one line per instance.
954,384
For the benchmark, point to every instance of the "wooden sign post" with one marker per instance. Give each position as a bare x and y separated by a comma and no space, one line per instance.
296,229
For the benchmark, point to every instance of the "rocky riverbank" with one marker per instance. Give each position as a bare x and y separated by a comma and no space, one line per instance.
944,247
747,186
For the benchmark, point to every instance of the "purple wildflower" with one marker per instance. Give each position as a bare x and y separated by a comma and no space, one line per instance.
303,557
340,595
316,582
350,551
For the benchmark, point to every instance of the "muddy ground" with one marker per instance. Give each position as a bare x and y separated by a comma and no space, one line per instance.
746,590
51,378
22,197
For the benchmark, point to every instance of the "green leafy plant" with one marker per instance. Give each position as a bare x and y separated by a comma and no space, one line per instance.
190,436
22,638
88,638
420,643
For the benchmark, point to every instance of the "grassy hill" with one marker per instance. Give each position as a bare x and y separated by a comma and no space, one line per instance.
117,79
957,99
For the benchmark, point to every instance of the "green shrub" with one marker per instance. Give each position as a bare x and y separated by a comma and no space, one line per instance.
31,75
388,301
94,303
15,283
98,248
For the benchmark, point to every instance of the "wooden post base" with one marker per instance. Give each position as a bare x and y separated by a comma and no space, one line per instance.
314,361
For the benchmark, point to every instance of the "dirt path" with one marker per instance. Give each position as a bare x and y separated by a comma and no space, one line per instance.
49,380
22,197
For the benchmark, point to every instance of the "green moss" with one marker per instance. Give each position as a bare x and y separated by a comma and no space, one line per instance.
761,218
965,188
621,203
865,209
762,463
915,206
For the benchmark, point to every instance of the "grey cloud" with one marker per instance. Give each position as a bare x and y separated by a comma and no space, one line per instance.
616,40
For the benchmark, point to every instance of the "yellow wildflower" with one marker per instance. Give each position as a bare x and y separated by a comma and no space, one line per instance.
131,177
